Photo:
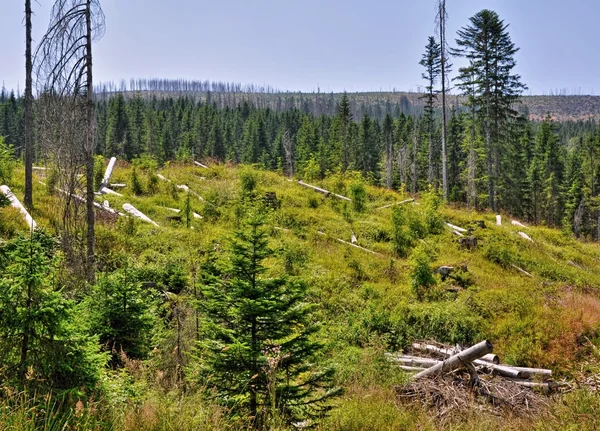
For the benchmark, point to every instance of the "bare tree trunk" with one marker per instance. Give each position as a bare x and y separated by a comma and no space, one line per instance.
415,161
28,199
443,46
89,156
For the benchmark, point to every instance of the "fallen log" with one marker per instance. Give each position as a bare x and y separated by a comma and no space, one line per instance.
325,192
458,234
517,223
491,358
137,213
118,186
411,369
489,361
107,191
96,204
530,372
196,215
525,236
521,270
413,361
15,203
108,173
396,203
456,228
358,246
188,190
161,177
458,360
200,164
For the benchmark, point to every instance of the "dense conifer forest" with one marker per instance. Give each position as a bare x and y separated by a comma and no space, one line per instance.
207,255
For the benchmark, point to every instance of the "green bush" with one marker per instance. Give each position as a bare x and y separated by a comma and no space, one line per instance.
358,194
98,170
7,162
433,220
420,272
136,184
402,237
248,181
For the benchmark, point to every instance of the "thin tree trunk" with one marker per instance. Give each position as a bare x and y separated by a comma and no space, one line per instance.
28,199
443,46
89,150
415,161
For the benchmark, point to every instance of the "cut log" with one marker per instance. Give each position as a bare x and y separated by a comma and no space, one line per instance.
15,203
107,191
458,234
517,223
456,228
161,177
521,270
137,213
325,192
358,246
118,186
410,369
499,220
524,236
412,361
188,190
108,173
396,203
96,204
200,164
196,215
530,372
491,358
456,361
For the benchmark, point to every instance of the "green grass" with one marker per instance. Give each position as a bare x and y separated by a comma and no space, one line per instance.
366,304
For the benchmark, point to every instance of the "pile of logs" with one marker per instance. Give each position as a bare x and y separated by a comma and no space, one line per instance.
450,379
476,359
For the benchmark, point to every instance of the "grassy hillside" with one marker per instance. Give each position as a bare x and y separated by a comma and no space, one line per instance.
366,302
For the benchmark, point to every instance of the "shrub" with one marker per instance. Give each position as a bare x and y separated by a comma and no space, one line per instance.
433,220
248,181
152,183
136,184
7,162
358,195
98,171
420,272
402,235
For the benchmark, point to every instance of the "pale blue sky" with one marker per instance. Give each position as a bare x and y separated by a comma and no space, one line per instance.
333,45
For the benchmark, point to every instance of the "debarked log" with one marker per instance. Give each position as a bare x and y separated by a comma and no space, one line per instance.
325,192
137,213
15,203
458,360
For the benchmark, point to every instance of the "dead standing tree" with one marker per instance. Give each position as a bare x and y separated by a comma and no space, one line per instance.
64,59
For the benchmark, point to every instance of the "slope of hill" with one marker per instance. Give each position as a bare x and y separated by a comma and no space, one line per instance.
367,302
561,108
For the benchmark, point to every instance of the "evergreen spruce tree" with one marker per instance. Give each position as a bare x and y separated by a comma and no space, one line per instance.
432,62
257,345
344,117
490,84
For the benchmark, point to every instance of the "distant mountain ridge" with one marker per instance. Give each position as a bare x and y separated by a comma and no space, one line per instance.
560,107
